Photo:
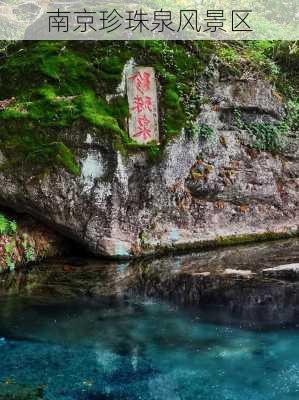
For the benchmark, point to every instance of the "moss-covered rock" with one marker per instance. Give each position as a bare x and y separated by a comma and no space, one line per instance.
54,84
67,159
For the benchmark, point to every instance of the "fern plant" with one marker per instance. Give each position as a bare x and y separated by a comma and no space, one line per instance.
7,227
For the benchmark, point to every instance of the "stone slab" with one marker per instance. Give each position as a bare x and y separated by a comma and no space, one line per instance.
143,105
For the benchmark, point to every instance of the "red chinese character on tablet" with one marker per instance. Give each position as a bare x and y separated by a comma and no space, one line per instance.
142,81
148,104
143,103
143,127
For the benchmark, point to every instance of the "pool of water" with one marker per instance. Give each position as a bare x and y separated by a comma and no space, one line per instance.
138,349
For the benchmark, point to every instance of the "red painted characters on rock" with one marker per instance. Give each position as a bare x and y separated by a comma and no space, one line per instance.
143,128
142,81
142,104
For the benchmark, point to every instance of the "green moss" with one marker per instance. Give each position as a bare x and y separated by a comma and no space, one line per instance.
63,156
220,241
97,113
252,238
171,97
58,83
276,61
226,241
66,67
36,150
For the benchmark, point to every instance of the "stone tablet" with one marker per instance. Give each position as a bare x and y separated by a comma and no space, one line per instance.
143,105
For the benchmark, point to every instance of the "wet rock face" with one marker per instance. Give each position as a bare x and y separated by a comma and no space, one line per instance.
200,193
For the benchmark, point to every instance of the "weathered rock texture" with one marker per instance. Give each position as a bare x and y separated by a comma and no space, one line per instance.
202,192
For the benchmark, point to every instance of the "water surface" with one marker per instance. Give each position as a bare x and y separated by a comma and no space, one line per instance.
88,330
140,350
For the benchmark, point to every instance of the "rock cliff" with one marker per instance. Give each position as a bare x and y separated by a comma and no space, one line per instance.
222,183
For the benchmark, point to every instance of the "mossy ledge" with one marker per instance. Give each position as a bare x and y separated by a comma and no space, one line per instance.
218,242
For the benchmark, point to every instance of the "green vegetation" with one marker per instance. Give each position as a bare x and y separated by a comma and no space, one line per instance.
14,245
53,85
292,118
9,249
29,252
8,230
267,137
7,227
221,241
57,83
204,131
276,61
253,238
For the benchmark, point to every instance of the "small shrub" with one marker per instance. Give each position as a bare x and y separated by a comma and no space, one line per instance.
268,137
7,227
201,130
292,119
29,254
10,263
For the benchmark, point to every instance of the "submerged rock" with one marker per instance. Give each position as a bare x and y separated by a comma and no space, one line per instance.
284,272
13,391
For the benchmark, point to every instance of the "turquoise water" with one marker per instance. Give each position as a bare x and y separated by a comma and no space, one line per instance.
139,350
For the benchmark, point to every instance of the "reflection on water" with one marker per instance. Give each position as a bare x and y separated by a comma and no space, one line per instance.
139,350
198,280
88,330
